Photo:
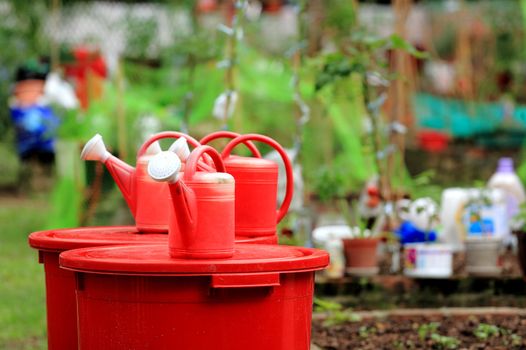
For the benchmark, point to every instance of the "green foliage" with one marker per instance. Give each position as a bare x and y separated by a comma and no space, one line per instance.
365,331
430,330
329,184
335,314
425,330
22,305
421,185
445,342
485,331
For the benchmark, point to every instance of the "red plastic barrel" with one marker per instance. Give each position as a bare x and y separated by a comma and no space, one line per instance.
60,283
137,297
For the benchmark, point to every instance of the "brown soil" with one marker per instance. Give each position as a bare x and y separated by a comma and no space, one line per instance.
425,331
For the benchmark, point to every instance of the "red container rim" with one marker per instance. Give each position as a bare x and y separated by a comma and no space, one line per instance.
250,163
73,238
154,260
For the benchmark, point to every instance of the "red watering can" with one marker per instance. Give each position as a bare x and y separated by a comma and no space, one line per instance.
148,200
202,221
256,185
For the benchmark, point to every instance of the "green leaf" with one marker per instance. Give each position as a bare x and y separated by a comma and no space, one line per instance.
400,43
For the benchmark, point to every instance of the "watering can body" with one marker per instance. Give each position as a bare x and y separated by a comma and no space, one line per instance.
256,185
148,200
201,224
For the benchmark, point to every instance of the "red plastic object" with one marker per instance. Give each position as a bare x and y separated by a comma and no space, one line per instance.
148,200
433,141
257,187
60,283
229,135
88,64
202,222
138,297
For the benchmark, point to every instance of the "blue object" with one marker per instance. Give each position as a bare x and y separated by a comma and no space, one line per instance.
407,233
35,129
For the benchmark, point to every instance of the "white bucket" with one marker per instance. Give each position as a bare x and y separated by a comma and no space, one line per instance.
428,260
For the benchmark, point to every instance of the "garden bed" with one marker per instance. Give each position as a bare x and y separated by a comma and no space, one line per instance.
483,328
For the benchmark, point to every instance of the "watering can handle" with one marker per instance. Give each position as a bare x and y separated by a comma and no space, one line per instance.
197,153
166,135
230,135
288,165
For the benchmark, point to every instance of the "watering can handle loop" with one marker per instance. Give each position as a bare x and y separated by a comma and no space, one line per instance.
166,135
282,211
197,153
230,135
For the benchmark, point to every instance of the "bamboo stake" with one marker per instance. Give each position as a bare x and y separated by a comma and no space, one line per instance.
55,50
121,113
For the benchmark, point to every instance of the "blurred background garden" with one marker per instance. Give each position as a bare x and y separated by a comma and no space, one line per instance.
404,121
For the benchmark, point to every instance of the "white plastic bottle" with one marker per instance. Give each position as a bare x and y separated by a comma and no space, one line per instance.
507,180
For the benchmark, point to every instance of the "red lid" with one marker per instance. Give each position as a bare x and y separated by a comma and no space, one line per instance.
256,164
155,260
73,238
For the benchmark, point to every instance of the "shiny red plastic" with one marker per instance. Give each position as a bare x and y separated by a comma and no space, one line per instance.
60,284
202,222
148,200
138,297
257,187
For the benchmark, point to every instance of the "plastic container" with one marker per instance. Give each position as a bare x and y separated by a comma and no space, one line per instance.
507,180
428,260
137,297
483,256
330,238
60,283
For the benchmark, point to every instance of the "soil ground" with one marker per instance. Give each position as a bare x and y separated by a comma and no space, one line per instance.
473,329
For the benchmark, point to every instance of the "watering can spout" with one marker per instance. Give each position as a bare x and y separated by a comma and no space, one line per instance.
165,167
122,173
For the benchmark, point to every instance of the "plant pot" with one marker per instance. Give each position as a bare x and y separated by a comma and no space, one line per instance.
427,260
483,256
361,257
330,239
521,254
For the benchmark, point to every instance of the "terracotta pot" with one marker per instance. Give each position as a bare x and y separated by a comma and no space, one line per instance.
361,256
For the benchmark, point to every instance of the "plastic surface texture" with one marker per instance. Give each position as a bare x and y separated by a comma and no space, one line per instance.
147,199
256,188
60,283
201,225
260,299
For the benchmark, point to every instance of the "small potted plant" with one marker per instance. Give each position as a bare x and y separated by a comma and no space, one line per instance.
423,257
361,246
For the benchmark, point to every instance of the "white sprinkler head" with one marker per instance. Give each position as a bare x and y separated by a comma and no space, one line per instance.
154,149
164,167
180,147
95,150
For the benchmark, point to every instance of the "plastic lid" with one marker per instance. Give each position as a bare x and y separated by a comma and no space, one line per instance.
155,260
65,239
505,165
249,162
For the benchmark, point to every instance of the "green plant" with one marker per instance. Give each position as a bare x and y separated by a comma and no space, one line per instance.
365,331
445,342
335,313
424,330
485,331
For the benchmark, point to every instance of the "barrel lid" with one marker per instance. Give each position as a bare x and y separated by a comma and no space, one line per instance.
249,162
155,260
73,238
